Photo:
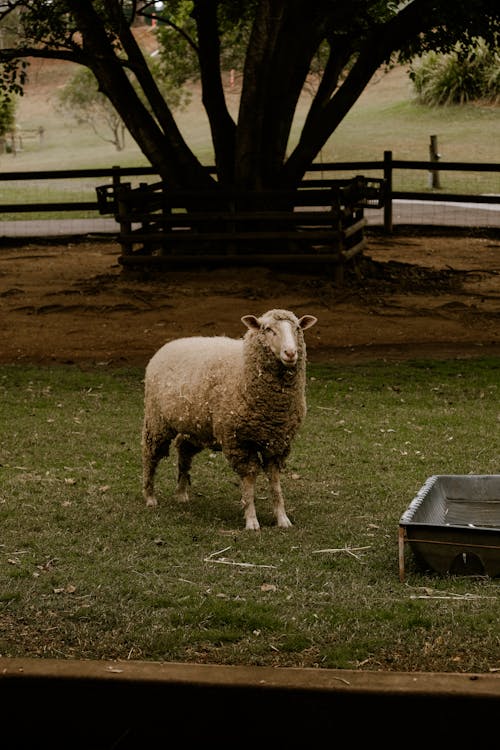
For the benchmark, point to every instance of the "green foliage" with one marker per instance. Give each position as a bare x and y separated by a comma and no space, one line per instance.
87,571
13,75
178,60
466,74
7,113
81,93
491,80
179,46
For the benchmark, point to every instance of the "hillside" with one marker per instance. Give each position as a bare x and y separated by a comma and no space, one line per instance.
46,77
385,117
69,144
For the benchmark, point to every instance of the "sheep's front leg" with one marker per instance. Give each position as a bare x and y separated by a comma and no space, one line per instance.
273,475
248,501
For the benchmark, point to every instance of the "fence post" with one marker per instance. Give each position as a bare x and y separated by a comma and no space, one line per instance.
388,194
116,181
434,157
123,190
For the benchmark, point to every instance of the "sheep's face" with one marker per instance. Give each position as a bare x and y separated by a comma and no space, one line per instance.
282,333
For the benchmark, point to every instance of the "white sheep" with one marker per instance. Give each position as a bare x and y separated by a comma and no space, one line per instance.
245,397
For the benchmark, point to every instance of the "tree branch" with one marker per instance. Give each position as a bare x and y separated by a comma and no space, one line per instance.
383,40
222,125
165,149
11,53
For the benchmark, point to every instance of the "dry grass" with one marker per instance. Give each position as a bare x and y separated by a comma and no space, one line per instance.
385,118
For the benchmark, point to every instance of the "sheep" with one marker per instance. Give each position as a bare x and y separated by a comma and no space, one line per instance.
243,396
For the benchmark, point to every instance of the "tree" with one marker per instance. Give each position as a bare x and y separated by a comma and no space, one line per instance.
82,99
281,40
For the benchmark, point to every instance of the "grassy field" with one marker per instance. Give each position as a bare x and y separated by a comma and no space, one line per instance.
87,571
386,117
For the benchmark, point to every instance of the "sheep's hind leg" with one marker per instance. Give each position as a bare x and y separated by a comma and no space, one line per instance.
248,501
153,450
273,474
186,451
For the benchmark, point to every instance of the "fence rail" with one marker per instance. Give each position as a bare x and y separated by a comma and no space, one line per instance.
385,169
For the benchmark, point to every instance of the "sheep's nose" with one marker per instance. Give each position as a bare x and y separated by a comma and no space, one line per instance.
289,356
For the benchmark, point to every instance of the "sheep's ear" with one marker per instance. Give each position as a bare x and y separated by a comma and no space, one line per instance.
251,322
306,321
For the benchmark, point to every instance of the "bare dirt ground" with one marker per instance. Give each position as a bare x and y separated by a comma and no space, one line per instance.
412,297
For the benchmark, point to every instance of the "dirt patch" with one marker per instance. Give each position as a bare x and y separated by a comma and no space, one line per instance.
410,297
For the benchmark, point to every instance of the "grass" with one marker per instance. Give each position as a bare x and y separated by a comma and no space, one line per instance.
87,571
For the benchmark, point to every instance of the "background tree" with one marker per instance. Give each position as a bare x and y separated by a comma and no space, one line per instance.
81,99
281,40
8,141
7,114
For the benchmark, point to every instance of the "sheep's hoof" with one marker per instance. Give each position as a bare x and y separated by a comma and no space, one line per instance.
284,522
252,524
151,502
182,496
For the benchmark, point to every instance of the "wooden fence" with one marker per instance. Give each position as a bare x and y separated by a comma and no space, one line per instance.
384,168
321,224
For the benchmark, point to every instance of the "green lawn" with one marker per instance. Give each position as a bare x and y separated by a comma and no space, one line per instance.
87,571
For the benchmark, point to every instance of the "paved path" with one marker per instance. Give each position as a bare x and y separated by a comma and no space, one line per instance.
58,228
439,213
428,213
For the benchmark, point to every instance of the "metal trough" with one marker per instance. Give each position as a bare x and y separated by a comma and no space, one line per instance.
453,525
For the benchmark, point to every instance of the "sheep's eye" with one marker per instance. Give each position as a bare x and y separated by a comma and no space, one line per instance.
269,330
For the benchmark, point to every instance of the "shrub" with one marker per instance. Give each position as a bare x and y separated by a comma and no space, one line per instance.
467,74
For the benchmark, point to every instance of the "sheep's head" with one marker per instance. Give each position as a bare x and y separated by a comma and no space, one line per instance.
281,332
